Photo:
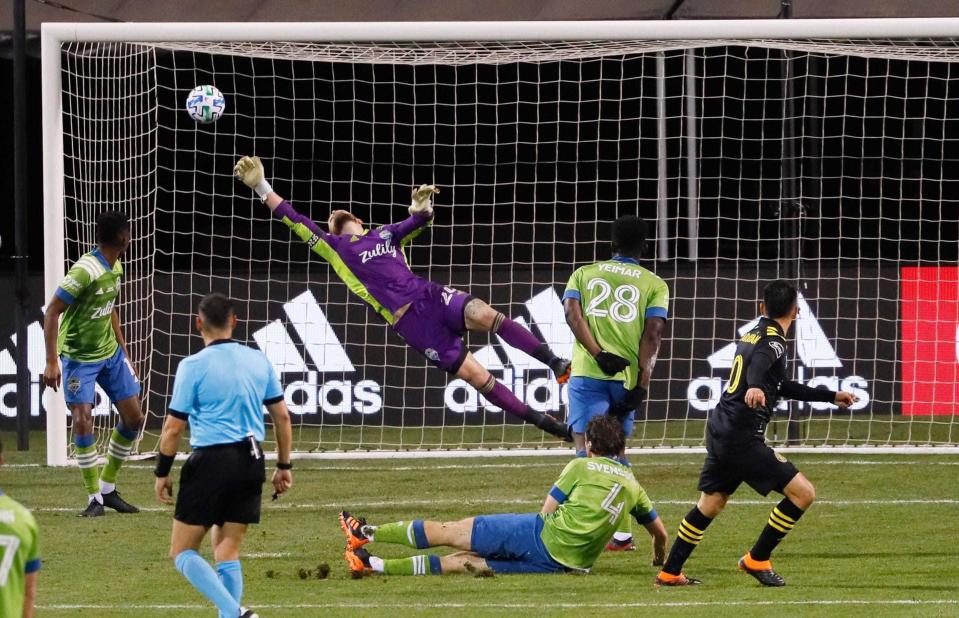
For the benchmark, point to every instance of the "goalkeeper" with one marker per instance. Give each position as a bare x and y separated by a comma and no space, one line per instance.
618,335
583,508
429,317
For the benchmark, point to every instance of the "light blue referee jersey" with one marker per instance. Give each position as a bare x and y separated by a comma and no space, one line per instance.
221,391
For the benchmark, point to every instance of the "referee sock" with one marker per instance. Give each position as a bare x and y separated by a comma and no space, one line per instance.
121,443
231,575
199,572
86,451
412,534
414,565
691,532
521,339
781,520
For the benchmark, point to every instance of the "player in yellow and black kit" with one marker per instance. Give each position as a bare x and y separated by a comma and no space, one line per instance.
736,451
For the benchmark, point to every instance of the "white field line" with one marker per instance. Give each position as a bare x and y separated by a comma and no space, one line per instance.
353,504
639,462
478,604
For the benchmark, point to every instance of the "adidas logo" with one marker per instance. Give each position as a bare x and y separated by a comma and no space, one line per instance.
814,351
326,355
541,393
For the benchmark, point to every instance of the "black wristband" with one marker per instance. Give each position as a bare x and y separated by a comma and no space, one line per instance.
164,463
284,466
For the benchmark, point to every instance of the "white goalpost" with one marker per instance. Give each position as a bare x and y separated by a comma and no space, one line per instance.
814,150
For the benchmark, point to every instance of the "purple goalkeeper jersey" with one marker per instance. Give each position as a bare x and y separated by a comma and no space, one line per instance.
371,264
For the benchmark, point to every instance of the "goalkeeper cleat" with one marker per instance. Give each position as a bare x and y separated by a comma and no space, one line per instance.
94,509
624,545
562,367
550,425
762,570
668,579
353,530
359,561
118,504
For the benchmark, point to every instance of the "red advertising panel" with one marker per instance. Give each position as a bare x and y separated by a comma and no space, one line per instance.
929,298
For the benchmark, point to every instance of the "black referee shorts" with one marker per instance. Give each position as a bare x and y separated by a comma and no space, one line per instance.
732,462
222,483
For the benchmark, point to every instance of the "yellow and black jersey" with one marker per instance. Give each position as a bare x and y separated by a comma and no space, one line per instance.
759,362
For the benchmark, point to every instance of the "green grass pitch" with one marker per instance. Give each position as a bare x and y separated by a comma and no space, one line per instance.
880,541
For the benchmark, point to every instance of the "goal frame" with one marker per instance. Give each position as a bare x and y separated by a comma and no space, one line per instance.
53,35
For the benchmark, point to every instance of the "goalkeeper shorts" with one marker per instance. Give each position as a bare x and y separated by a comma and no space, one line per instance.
433,325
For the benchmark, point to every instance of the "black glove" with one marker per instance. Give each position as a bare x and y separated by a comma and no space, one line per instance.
610,363
634,399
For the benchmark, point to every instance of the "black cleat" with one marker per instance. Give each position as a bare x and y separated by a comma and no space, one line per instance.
248,613
94,509
118,504
561,368
764,575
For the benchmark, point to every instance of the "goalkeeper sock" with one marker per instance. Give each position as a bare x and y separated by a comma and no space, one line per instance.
412,534
231,575
121,443
691,532
86,452
502,397
521,339
414,565
781,520
199,573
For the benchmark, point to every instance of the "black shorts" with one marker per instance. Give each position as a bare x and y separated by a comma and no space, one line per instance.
751,461
222,483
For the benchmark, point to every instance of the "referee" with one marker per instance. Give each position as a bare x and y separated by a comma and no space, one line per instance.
220,391
736,451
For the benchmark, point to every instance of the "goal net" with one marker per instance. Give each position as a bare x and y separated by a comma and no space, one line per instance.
830,162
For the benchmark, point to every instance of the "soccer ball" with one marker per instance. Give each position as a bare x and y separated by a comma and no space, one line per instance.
205,104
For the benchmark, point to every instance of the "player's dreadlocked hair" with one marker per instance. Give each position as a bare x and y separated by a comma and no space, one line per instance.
216,310
629,236
110,225
779,298
605,436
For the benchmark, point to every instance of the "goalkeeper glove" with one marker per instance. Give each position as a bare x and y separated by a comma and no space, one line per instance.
610,363
249,170
423,200
634,399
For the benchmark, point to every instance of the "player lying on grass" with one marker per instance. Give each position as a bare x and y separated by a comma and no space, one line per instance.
736,451
617,339
429,317
581,512
91,346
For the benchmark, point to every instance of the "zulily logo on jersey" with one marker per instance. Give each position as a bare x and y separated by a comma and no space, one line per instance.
305,394
816,356
382,248
529,379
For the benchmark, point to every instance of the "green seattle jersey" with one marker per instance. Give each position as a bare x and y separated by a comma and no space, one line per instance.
86,328
617,296
19,554
595,494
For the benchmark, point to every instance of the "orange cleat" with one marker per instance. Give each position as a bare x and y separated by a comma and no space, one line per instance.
359,561
353,530
617,545
668,579
562,369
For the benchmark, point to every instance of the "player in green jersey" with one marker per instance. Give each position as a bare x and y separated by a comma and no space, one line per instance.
583,508
90,344
19,557
617,310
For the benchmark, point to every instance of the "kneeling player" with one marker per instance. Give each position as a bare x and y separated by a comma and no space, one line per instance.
581,512
736,452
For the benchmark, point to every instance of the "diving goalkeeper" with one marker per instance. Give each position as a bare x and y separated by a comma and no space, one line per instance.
582,510
431,318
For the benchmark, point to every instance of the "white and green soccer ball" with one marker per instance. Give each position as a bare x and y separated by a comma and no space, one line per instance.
205,104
